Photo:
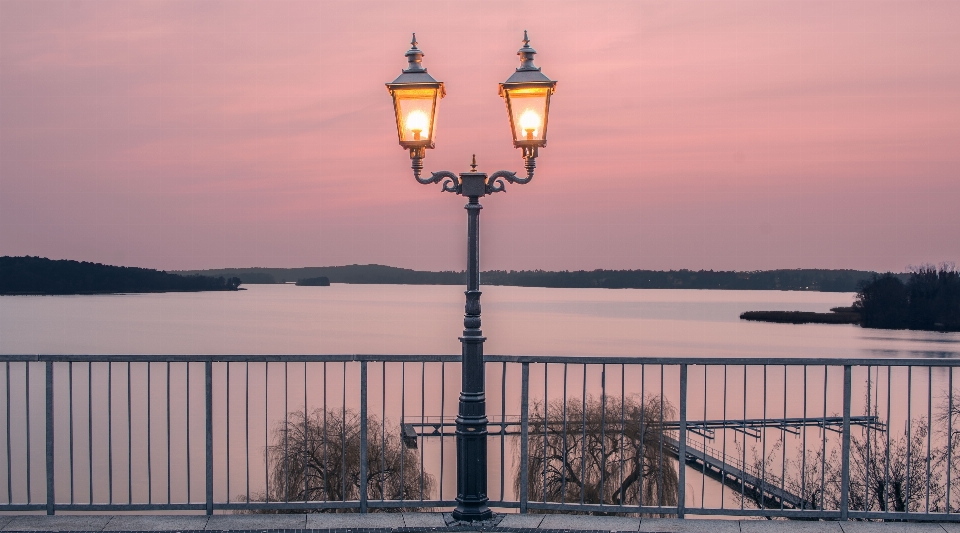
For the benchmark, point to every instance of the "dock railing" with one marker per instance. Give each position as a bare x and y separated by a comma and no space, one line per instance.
789,438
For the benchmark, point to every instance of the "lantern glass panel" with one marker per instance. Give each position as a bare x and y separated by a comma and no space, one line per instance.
416,113
528,112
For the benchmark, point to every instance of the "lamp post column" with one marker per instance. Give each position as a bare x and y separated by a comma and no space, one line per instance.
472,415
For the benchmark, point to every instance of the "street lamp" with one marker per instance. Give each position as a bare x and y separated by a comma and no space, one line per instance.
415,97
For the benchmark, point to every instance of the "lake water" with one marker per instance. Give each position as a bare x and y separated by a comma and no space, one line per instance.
406,319
410,319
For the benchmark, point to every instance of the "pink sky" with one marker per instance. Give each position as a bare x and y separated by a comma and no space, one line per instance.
723,135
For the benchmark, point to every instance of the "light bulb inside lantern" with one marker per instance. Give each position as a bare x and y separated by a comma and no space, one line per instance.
529,122
417,122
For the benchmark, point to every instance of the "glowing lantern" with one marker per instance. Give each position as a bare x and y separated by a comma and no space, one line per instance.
415,96
527,95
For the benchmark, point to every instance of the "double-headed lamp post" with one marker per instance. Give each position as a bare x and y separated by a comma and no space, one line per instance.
416,95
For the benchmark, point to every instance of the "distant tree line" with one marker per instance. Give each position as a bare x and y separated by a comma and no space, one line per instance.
38,275
319,281
929,300
793,280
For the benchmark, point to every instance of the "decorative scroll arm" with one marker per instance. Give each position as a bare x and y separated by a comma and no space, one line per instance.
451,182
497,181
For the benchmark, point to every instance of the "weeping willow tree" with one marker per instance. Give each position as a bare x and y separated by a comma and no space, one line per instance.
316,457
595,458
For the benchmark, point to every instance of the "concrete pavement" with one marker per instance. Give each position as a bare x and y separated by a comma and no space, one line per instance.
437,522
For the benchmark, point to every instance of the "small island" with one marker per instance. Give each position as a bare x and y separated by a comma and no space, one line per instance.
41,276
928,301
320,281
837,315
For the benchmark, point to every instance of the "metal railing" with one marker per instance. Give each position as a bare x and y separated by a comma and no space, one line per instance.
793,438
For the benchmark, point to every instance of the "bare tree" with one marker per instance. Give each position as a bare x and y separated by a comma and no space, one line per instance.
881,479
316,457
580,451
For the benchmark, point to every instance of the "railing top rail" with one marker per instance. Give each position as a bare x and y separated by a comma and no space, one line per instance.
733,361
551,359
257,358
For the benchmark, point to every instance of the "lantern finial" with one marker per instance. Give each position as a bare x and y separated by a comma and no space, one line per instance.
526,54
473,165
414,57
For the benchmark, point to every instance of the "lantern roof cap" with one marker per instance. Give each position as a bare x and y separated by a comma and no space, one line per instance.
415,71
527,72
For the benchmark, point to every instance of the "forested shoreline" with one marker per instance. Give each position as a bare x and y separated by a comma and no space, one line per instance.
823,280
40,276
929,300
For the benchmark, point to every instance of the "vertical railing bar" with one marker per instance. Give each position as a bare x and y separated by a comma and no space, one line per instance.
583,441
70,393
546,414
886,462
227,378
246,426
643,416
149,436
763,442
845,454
803,445
423,396
208,407
909,434
443,389
9,458
26,402
129,438
623,424
383,437
929,429
169,495
823,450
326,487
90,423
189,499
743,462
949,432
723,464
363,438
110,430
306,440
403,412
682,445
660,465
783,441
266,430
866,478
563,492
703,473
503,428
524,435
603,433
343,436
286,434
48,378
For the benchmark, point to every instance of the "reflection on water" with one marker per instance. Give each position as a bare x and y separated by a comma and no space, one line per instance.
398,319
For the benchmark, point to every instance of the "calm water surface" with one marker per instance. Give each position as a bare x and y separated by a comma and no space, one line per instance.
409,319
406,319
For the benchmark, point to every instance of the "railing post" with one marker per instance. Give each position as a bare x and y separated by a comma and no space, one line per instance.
363,436
51,498
845,455
524,435
682,446
208,407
